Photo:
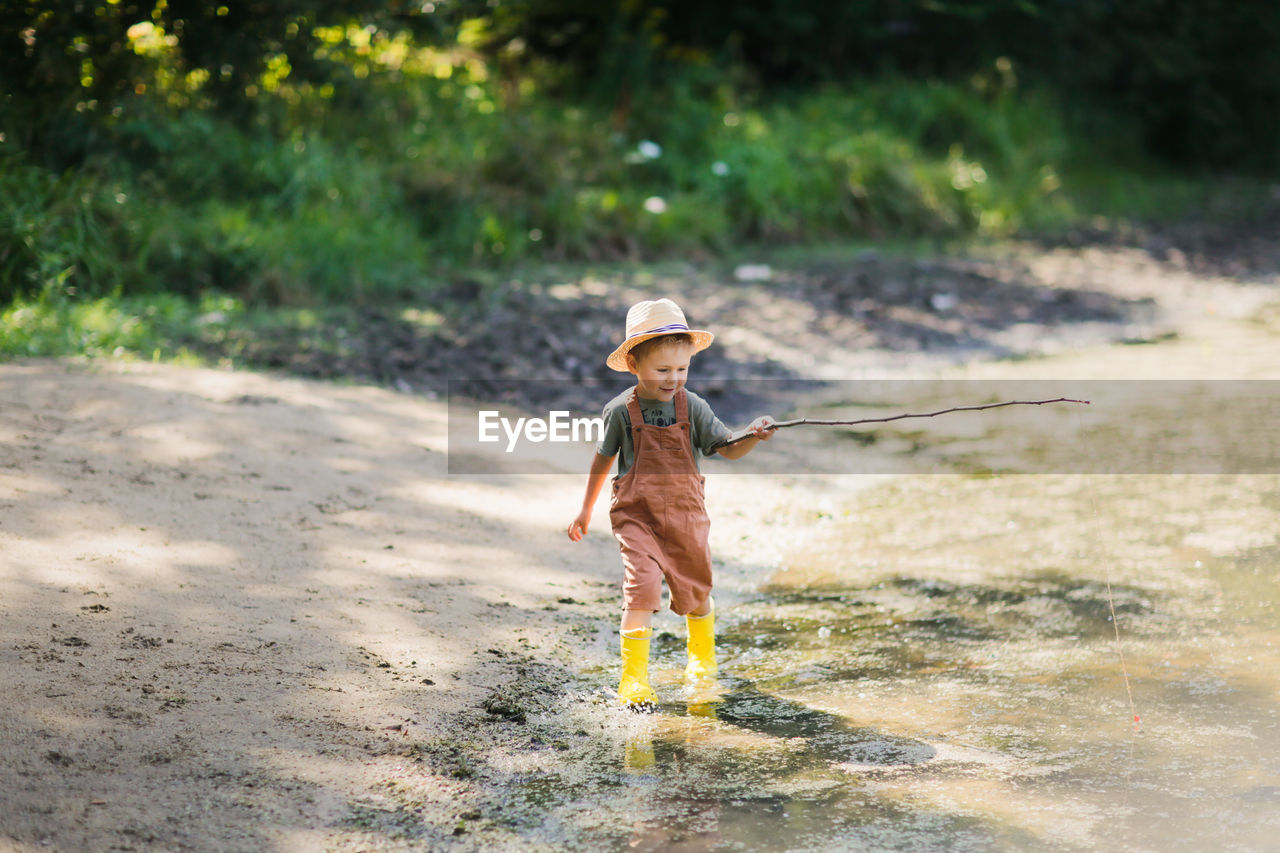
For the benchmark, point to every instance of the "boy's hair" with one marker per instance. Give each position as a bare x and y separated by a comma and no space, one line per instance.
640,350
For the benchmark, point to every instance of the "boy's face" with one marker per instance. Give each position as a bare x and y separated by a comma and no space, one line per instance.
662,370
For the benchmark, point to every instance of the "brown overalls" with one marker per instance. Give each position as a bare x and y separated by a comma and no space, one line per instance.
659,516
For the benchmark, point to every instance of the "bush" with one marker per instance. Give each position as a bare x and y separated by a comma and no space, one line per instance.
431,177
73,232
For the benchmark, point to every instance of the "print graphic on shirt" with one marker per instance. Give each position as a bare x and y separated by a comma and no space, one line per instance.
656,417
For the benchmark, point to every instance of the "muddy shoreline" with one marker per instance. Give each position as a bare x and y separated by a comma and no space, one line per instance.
814,319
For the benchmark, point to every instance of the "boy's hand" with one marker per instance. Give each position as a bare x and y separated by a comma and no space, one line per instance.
578,528
763,427
740,443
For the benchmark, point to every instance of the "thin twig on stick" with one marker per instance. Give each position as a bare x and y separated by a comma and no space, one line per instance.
746,433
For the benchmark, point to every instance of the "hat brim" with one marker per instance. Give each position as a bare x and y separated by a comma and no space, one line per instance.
618,358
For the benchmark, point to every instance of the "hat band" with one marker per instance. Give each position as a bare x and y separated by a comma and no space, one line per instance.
673,327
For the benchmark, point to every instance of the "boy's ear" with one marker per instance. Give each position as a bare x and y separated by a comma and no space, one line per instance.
633,366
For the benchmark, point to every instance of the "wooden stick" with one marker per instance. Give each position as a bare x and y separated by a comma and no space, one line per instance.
739,435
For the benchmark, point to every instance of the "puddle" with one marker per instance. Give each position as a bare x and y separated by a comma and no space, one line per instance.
752,771
999,643
938,670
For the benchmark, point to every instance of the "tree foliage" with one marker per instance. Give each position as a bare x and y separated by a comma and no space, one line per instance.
66,62
1202,75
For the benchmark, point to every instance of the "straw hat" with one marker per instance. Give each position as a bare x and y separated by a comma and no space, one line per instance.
653,319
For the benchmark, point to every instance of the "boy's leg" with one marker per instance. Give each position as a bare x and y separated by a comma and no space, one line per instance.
701,644
634,620
633,687
641,595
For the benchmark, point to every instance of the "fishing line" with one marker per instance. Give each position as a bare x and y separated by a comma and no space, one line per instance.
1111,601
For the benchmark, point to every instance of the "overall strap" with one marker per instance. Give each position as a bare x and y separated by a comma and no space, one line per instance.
682,406
633,410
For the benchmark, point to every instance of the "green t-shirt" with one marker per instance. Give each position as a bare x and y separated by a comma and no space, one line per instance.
705,429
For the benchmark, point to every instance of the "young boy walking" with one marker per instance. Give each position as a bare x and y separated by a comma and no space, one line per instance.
656,430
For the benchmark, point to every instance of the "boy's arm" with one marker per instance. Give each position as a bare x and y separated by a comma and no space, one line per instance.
763,430
595,482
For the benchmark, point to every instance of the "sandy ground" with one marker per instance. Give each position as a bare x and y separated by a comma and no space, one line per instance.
228,599
248,612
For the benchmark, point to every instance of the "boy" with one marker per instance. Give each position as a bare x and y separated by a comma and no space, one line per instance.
657,509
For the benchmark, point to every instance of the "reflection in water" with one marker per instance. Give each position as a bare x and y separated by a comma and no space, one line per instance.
708,784
938,671
827,737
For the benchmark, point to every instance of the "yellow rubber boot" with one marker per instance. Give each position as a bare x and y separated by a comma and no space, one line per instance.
634,690
702,647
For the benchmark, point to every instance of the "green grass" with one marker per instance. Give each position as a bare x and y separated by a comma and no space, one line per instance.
155,327
209,329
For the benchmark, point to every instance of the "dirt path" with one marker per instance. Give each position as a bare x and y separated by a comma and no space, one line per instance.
231,601
246,612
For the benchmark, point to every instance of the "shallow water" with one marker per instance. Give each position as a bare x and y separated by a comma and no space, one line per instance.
938,670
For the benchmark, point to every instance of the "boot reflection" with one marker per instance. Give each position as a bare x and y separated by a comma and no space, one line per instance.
704,696
704,700
689,752
705,709
637,751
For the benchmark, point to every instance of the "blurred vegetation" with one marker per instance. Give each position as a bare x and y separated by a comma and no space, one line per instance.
302,154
